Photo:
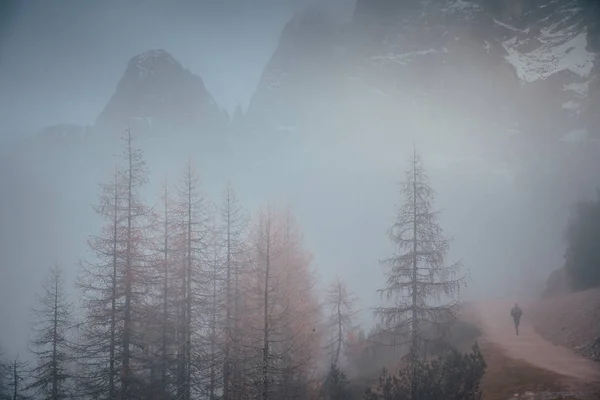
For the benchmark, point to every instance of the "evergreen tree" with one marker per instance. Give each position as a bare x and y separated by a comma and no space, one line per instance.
50,345
115,286
135,271
451,376
167,298
4,377
281,311
214,318
297,338
101,284
233,231
419,285
17,375
163,296
336,385
193,228
341,308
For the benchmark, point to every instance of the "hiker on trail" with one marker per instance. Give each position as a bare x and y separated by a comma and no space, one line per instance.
516,313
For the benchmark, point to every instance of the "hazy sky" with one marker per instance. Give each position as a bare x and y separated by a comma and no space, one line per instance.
60,61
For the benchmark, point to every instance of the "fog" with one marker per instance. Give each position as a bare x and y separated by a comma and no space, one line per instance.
60,62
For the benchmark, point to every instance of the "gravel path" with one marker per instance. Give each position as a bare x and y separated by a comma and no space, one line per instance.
495,321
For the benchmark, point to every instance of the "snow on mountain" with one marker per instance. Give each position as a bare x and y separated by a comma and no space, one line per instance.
559,45
404,58
580,89
506,73
461,6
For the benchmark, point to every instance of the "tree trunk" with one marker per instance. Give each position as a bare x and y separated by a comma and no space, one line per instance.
188,315
182,331
54,344
414,327
165,295
16,381
113,300
265,371
125,378
227,362
339,315
213,334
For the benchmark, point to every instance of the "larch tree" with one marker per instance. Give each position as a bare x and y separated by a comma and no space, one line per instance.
17,375
4,377
164,294
138,276
213,318
281,310
420,286
101,284
266,246
193,223
50,377
233,232
115,285
300,341
340,302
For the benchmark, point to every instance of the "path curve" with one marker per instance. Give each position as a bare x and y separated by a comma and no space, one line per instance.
494,319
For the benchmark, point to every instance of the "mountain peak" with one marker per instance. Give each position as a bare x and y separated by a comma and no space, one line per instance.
159,96
311,23
145,63
151,55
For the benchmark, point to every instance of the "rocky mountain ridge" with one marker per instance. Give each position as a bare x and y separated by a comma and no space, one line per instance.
156,97
160,97
524,72
521,75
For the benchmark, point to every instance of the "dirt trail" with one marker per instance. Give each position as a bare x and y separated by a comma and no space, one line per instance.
494,319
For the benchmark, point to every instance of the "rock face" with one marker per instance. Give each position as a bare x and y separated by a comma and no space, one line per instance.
298,78
158,97
514,73
557,284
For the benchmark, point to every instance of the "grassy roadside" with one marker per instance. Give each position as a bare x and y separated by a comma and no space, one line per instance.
506,377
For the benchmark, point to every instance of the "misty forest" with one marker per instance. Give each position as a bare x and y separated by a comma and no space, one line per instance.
374,200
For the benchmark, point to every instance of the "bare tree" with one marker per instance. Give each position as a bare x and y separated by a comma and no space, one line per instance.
101,285
234,223
4,377
193,226
281,310
266,247
419,285
17,375
165,290
50,345
260,303
214,317
341,308
164,297
134,177
115,285
299,349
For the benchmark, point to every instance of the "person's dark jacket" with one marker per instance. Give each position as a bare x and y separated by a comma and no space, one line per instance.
516,312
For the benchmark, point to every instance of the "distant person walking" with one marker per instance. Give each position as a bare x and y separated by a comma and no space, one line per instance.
516,313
